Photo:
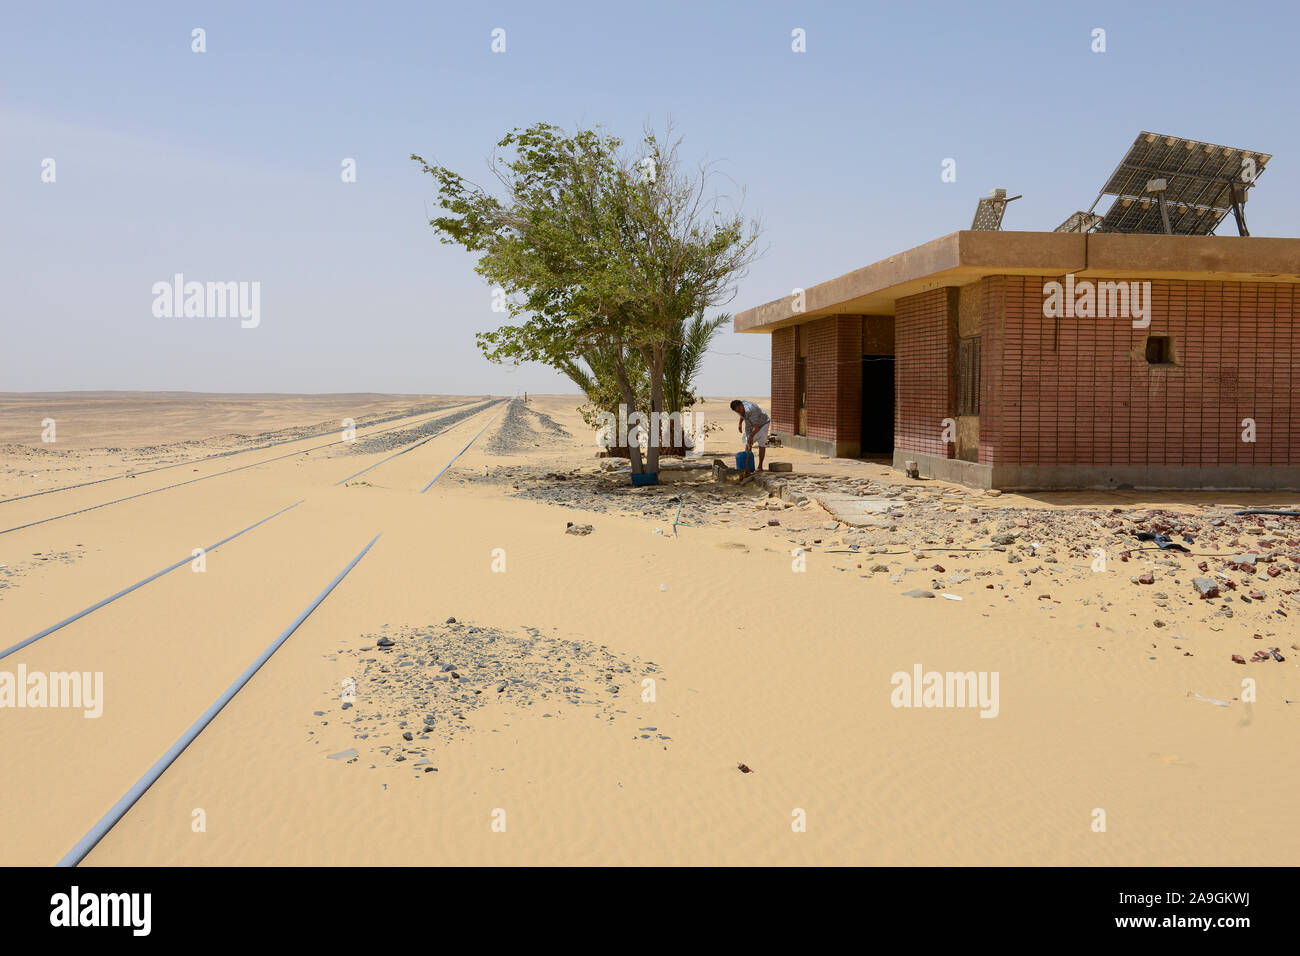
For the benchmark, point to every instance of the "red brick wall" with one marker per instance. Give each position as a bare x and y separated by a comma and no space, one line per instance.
834,368
877,335
1088,396
923,357
785,401
997,428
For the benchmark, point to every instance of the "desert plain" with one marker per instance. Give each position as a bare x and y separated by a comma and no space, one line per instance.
709,675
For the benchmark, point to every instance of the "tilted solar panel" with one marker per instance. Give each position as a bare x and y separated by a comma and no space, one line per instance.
1197,181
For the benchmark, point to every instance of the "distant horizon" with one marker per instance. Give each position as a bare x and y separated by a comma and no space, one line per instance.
254,394
186,391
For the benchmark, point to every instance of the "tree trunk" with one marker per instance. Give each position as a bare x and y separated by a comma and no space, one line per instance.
629,400
656,363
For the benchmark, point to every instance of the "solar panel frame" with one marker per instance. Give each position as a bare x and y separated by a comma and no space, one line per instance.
988,214
1143,216
1080,222
1199,183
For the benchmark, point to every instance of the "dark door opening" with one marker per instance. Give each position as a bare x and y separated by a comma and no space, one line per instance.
877,405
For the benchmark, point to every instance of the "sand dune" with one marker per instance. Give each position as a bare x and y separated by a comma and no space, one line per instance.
638,668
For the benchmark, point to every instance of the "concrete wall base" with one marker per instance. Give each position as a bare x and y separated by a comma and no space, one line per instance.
972,474
1104,477
820,446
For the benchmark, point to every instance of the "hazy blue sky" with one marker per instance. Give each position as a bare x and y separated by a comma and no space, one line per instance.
225,165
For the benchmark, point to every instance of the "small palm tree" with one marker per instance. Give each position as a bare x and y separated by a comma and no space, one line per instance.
685,357
593,372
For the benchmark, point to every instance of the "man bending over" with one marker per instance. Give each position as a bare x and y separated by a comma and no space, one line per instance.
754,424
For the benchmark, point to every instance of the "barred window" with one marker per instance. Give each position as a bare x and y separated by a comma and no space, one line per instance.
968,376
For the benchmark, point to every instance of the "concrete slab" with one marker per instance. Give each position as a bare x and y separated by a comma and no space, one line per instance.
860,511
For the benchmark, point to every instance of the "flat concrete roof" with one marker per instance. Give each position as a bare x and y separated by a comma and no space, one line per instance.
964,257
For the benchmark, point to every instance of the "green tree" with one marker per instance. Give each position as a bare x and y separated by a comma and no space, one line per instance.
602,254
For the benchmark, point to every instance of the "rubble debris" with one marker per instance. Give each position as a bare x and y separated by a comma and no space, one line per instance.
1205,588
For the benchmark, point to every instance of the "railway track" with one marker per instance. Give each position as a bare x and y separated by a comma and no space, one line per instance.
135,587
186,560
230,471
123,806
225,454
412,447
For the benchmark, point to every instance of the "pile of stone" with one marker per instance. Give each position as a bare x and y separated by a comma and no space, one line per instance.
418,688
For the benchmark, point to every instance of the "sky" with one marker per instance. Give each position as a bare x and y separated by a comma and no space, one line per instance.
227,165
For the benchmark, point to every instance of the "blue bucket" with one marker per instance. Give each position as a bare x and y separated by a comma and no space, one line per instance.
744,461
648,478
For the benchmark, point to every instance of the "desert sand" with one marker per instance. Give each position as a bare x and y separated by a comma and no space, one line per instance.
597,693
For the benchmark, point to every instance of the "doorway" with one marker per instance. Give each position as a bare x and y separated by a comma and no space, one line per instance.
877,405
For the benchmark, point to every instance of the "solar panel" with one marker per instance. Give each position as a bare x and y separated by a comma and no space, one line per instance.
990,210
1079,222
1196,183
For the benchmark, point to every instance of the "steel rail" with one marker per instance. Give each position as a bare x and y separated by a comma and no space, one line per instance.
139,584
129,799
410,448
190,481
465,449
227,454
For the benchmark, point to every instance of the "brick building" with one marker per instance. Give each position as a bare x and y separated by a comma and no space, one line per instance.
955,355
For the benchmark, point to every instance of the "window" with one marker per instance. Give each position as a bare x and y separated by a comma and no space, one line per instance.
968,376
1160,350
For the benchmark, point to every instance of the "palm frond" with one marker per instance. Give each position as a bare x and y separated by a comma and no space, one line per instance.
685,357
